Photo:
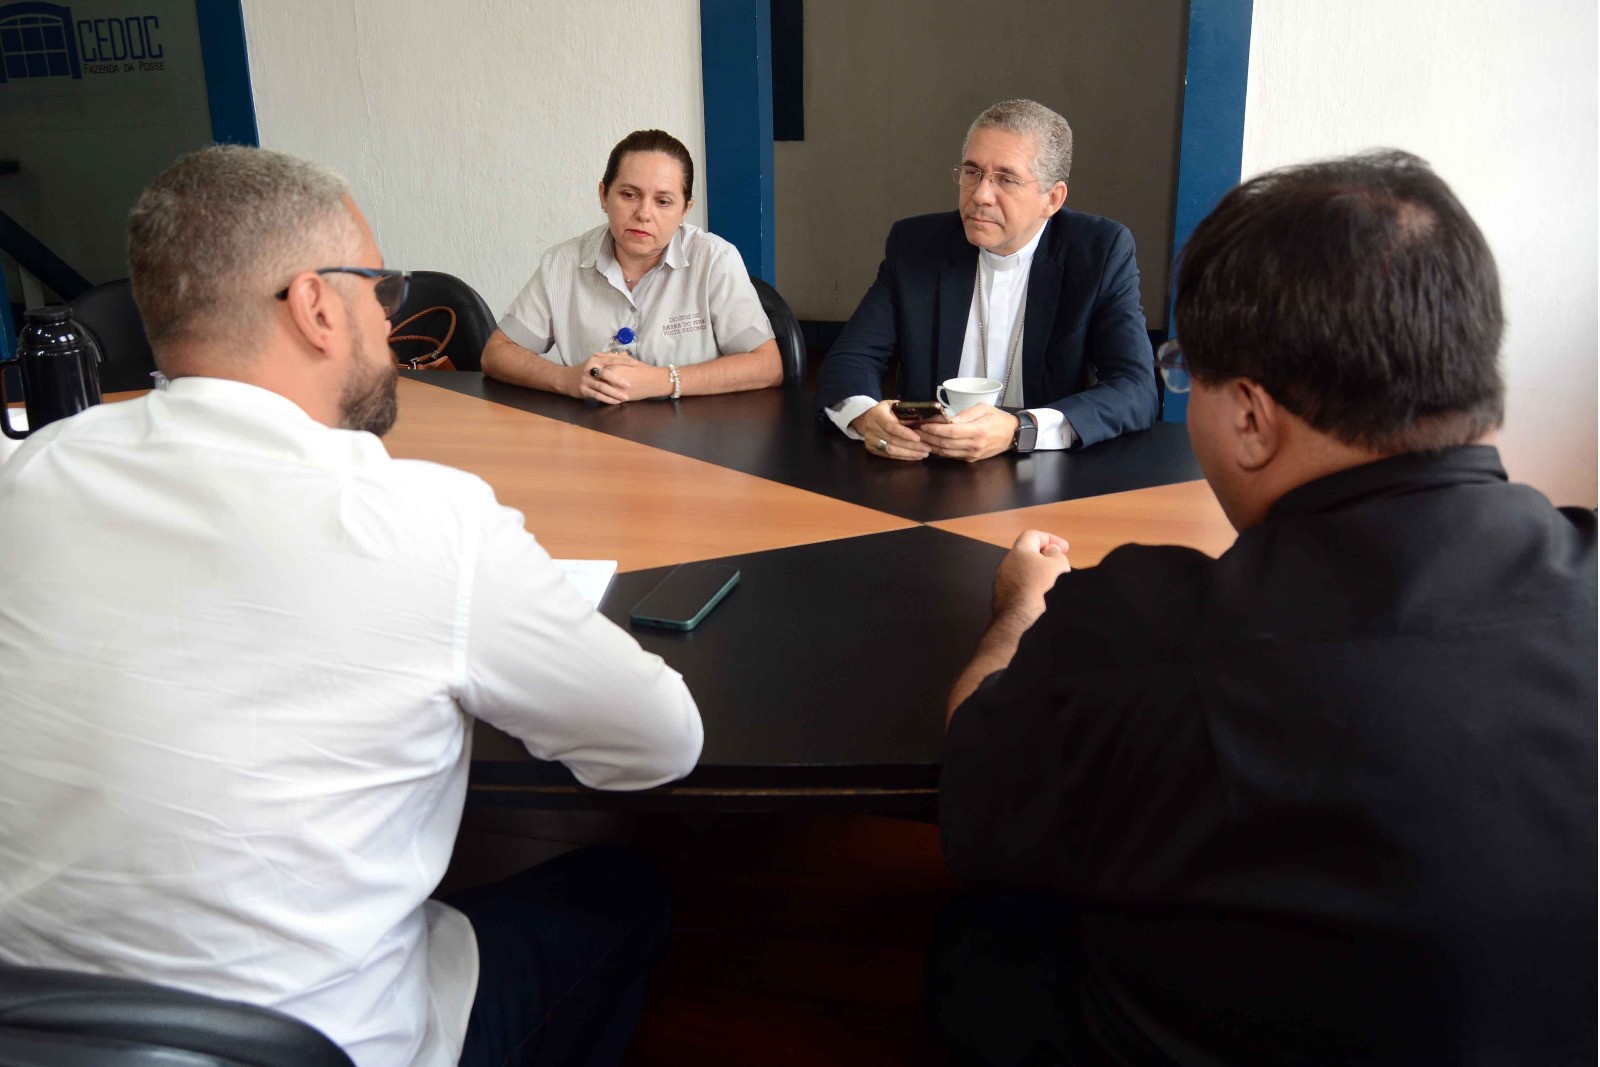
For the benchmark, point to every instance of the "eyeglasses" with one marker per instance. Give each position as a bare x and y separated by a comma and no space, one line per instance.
970,177
1174,366
390,290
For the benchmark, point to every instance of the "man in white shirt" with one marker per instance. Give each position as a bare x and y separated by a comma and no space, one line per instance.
242,648
1009,287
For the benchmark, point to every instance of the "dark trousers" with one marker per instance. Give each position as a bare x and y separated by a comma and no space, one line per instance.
1001,982
564,951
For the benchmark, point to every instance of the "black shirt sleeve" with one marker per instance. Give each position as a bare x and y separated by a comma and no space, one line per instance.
1086,764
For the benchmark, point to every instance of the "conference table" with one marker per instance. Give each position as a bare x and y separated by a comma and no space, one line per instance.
865,582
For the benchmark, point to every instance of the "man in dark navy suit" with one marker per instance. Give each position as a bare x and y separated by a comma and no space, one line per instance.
1008,287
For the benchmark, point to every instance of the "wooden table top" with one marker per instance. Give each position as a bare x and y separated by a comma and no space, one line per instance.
821,679
778,435
647,507
1183,514
589,495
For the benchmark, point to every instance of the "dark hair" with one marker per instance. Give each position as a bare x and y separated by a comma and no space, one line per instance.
651,141
1359,293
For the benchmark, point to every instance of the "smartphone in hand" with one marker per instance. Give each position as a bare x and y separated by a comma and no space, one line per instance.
912,412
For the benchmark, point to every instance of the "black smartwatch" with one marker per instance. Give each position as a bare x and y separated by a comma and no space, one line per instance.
1027,432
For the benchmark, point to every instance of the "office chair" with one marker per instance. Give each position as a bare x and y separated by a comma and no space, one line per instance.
112,317
70,1019
474,321
791,342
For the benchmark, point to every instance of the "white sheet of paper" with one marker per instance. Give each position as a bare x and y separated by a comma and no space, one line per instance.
591,577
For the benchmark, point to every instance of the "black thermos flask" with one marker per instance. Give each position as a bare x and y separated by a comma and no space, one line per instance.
60,366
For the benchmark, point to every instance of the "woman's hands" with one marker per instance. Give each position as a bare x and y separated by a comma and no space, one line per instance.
615,378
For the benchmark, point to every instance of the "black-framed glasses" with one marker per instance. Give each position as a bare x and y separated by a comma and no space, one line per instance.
390,290
969,177
1174,366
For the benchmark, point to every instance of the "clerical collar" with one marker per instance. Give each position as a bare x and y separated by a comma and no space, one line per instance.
1021,258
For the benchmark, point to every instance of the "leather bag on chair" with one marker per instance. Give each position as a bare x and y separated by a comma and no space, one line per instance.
419,342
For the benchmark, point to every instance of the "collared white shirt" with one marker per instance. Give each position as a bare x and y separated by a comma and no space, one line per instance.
605,261
1005,289
693,306
240,651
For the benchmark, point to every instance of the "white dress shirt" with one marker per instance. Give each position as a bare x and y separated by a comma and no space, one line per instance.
1005,291
240,650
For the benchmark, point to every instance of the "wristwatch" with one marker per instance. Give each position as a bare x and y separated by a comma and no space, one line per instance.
1027,432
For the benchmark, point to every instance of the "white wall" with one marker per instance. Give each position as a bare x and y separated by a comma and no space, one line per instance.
891,87
475,132
1500,96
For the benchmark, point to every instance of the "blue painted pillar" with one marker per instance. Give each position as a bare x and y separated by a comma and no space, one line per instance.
227,67
736,78
1212,146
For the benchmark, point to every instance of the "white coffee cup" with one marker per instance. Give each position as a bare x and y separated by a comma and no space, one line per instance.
959,394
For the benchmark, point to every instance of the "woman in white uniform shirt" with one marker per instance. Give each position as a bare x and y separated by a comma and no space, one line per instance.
644,306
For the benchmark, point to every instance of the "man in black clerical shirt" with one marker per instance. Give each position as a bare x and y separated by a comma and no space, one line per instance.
1331,797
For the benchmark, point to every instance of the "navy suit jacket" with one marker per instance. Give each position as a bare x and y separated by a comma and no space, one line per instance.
1084,347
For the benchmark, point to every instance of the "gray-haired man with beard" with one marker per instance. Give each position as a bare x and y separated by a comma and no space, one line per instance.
240,647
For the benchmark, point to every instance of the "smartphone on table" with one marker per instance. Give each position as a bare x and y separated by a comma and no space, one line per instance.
913,412
685,596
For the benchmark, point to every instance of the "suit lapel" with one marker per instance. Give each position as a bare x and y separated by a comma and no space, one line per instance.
956,280
1039,316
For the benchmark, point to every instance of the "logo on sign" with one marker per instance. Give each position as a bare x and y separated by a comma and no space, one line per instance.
39,40
36,41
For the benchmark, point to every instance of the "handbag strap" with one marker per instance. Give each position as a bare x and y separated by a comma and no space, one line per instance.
416,362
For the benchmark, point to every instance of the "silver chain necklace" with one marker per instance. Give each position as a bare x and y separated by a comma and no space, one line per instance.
983,339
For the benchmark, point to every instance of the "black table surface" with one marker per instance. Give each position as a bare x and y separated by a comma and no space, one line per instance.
775,434
822,678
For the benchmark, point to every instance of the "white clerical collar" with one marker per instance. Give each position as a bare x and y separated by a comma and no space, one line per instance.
1022,258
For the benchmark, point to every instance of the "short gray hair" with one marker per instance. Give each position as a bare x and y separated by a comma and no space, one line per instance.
1052,137
215,235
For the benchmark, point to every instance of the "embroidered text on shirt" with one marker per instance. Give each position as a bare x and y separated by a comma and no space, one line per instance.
690,323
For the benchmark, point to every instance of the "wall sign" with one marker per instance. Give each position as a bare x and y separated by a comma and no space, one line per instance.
41,40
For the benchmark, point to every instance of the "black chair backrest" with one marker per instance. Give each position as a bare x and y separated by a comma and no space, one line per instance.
110,314
66,1017
791,342
474,321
